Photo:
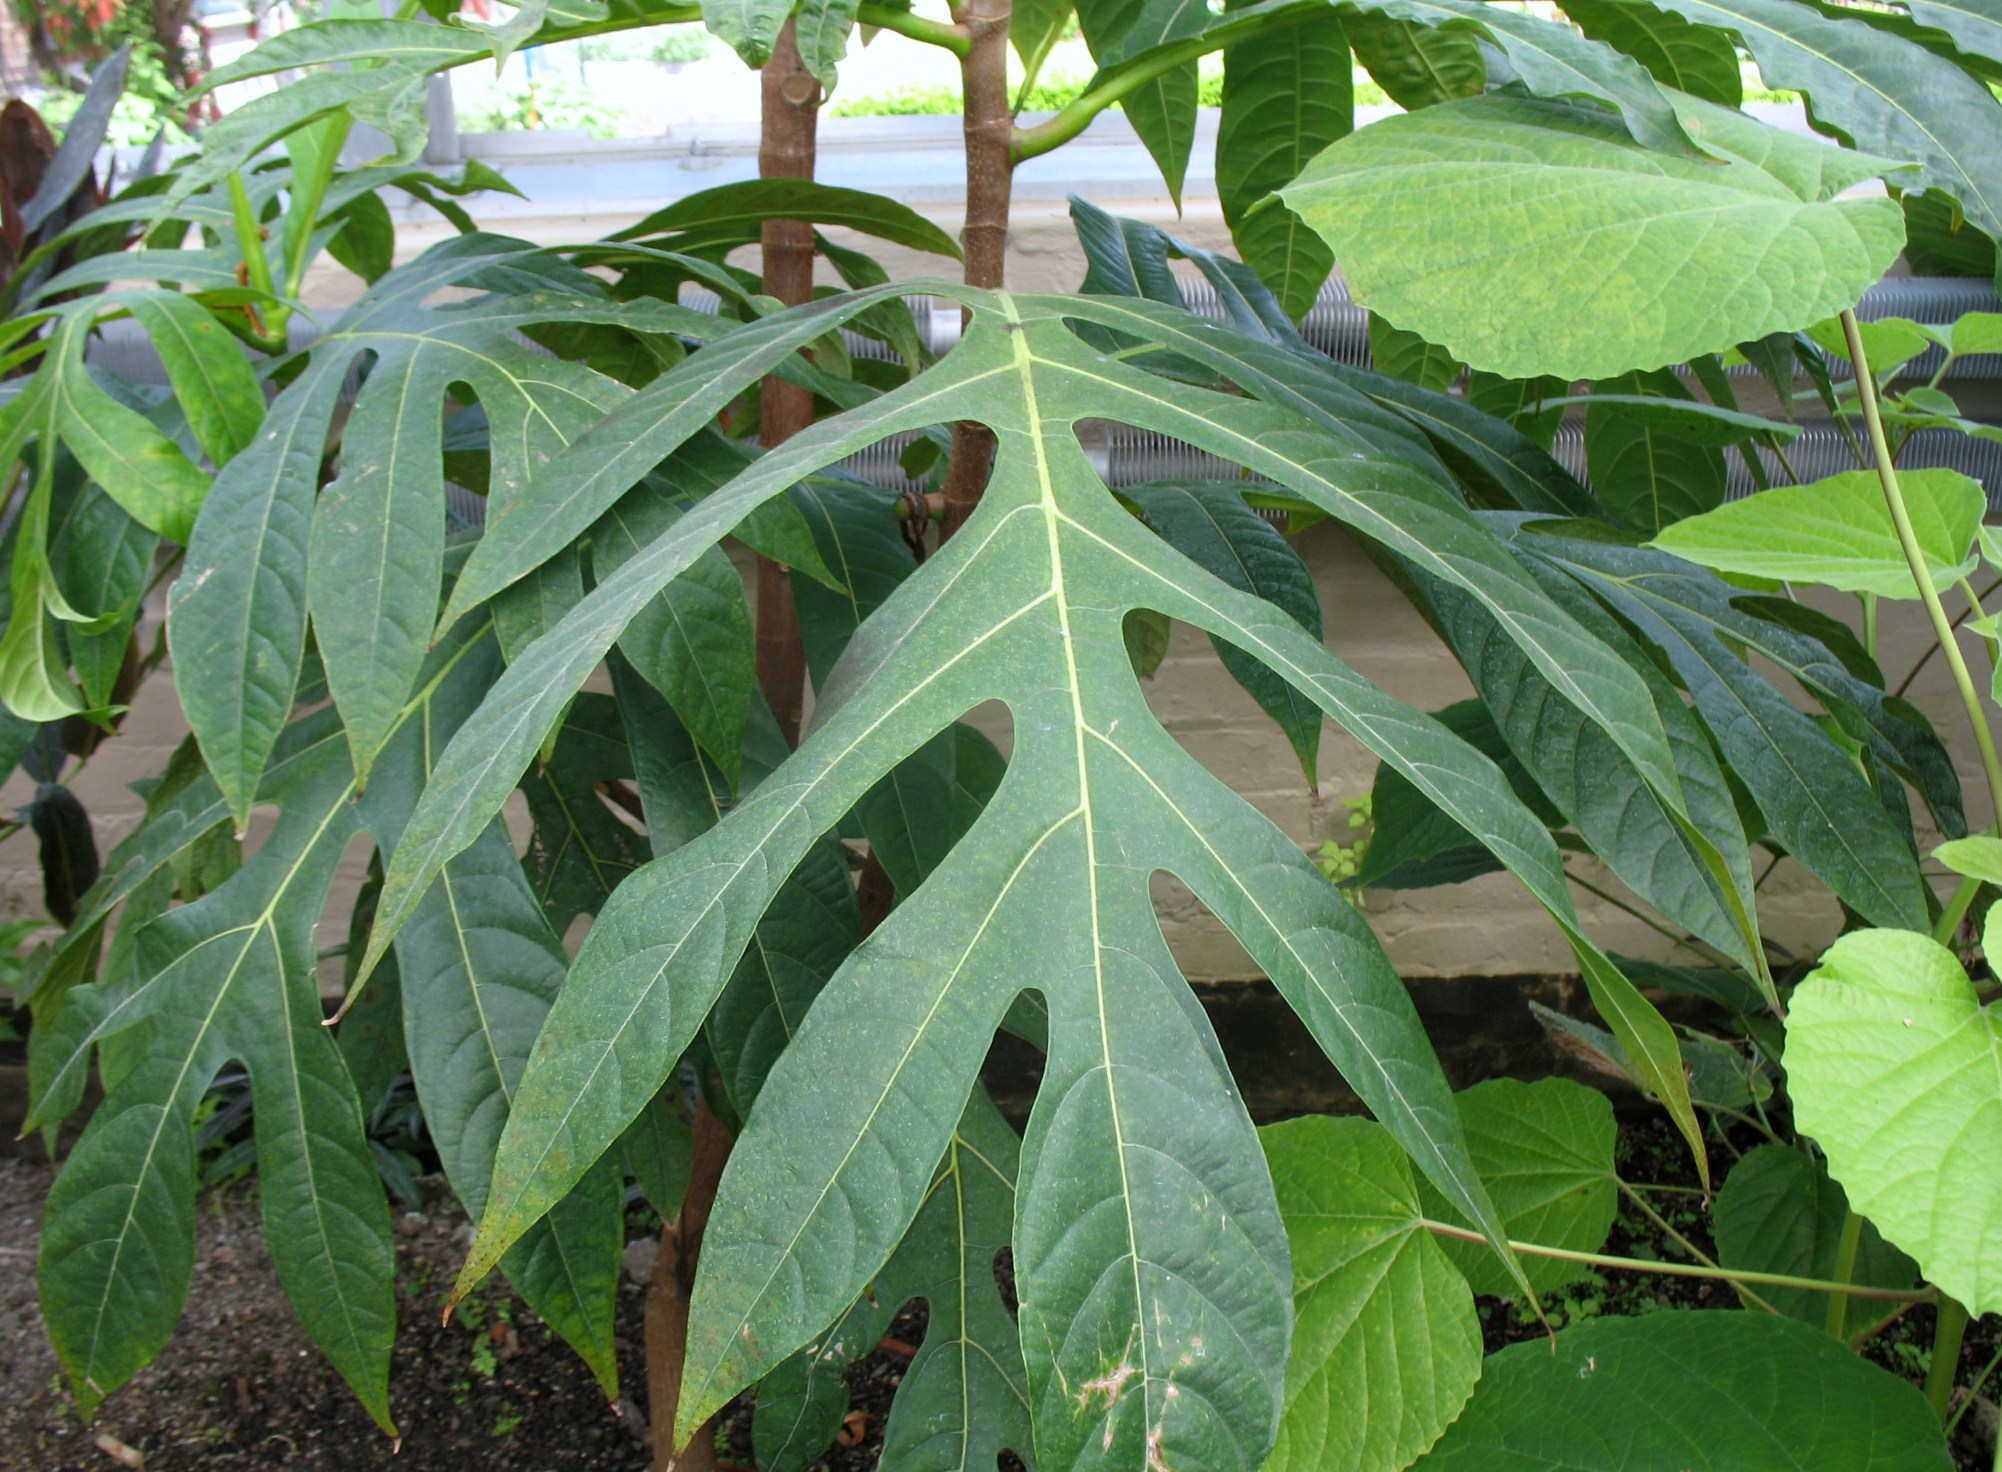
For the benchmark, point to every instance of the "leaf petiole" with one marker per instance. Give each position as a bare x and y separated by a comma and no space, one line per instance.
1691,1270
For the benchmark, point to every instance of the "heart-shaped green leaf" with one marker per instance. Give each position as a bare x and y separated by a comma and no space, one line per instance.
1380,1318
1896,1072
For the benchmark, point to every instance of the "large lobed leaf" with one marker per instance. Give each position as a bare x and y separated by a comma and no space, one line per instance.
1137,1154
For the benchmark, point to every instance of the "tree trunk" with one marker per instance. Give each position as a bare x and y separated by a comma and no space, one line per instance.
785,151
990,180
791,115
667,1299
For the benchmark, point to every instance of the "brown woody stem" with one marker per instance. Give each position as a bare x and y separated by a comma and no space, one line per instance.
786,148
990,182
785,151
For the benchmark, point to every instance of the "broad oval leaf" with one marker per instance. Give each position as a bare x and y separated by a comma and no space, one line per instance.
1838,532
1701,1391
1892,1062
1780,1212
1617,256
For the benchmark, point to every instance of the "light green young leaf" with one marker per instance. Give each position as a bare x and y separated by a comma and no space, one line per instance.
1698,1392
1892,1062
1891,342
1978,856
1386,1345
1973,332
1619,256
1837,532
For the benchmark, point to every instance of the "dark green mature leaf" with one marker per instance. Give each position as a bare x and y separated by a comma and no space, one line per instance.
1209,523
823,27
623,446
1884,94
749,27
694,643
802,940
480,966
1026,604
229,976
1034,27
857,528
964,1398
1527,404
101,560
1286,96
1417,65
237,614
213,381
1545,1153
232,975
1414,845
1386,1345
1550,58
1425,209
1700,60
1972,24
732,209
579,850
1161,109
1709,1392
1780,1212
1813,797
1650,475
1406,355
915,815
1291,450
1698,873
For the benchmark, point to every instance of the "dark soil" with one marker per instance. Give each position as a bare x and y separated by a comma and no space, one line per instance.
240,1386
